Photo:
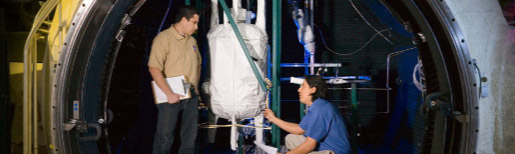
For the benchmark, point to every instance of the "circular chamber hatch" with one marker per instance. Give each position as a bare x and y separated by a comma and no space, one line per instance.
104,71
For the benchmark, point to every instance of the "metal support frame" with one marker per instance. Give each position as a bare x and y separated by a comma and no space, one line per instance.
354,119
276,50
310,15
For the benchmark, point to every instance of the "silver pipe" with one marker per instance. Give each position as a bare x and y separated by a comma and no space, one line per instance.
45,10
34,96
388,63
360,88
312,12
388,75
310,18
308,65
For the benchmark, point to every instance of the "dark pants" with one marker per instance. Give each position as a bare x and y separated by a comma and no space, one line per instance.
167,122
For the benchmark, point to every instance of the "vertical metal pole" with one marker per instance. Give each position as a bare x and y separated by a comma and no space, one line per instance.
34,96
61,29
310,58
27,77
307,57
27,100
240,144
307,53
311,23
310,18
276,49
354,117
312,11
354,96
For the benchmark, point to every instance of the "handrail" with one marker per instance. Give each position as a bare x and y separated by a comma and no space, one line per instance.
29,79
243,46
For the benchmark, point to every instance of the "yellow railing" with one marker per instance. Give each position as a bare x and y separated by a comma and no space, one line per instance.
30,114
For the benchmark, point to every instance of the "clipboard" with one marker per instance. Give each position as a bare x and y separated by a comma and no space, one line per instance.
178,84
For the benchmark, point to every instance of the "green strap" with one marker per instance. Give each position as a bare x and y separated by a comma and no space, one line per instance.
243,46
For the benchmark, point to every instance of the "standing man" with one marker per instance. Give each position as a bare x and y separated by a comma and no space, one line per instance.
175,53
322,129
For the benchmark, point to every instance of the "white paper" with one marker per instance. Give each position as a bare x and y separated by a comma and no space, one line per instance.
296,80
267,149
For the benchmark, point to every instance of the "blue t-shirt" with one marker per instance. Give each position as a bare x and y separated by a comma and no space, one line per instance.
324,123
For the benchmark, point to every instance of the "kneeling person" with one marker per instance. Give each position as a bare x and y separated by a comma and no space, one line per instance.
322,130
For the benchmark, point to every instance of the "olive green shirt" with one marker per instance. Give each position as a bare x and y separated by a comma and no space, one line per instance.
176,55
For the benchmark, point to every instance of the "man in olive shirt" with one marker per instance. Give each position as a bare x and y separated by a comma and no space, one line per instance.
175,53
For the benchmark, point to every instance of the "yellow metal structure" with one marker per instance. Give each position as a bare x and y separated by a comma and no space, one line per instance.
32,95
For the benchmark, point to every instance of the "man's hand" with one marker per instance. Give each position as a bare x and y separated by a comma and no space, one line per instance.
173,98
269,114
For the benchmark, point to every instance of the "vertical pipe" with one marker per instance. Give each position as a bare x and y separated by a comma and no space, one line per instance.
34,96
27,101
354,96
61,39
276,49
306,11
240,143
27,68
309,56
311,23
312,14
312,62
354,119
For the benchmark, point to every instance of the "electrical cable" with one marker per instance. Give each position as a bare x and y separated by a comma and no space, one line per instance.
166,15
366,21
479,73
346,54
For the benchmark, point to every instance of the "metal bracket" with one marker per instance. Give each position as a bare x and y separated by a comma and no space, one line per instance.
434,102
120,35
422,37
442,106
463,118
69,126
75,122
98,134
126,20
81,126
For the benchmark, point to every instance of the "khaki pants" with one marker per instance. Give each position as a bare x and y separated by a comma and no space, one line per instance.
292,141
